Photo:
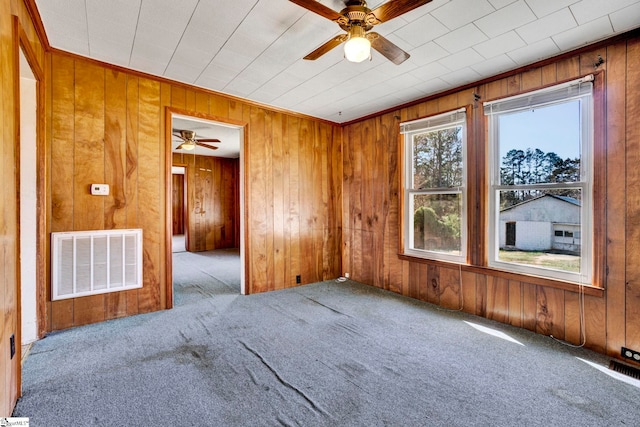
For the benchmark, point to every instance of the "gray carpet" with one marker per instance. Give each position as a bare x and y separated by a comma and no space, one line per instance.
205,274
326,354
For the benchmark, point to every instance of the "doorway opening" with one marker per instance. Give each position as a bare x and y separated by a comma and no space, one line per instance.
178,208
206,191
511,234
28,202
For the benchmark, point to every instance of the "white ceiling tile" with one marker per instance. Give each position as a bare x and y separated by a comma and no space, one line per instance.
427,53
73,44
503,43
421,31
627,18
216,82
430,72
111,51
506,19
588,10
182,71
148,65
534,52
461,59
66,27
461,38
156,52
231,60
495,65
432,86
241,87
548,26
151,34
457,13
399,82
74,10
545,7
168,14
499,4
123,13
580,36
461,77
389,69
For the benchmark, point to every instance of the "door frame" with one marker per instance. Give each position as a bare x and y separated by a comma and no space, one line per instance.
243,187
23,45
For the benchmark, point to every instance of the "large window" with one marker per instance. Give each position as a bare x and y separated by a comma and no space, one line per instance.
435,187
540,182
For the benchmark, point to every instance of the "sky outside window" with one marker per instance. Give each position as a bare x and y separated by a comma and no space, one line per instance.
554,128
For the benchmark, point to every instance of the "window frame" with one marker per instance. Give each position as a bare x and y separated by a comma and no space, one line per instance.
441,121
522,102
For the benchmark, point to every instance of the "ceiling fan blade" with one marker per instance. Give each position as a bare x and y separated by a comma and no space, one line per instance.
207,140
395,8
389,50
326,47
178,136
319,8
212,147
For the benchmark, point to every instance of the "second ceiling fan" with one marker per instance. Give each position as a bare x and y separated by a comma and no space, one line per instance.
357,19
189,140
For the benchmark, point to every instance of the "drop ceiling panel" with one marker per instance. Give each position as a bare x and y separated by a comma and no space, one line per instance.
579,36
254,48
589,10
506,19
502,44
625,19
548,26
461,38
422,30
458,13
462,59
545,7
495,65
534,52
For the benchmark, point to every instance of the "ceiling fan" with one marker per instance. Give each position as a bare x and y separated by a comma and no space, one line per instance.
357,19
189,140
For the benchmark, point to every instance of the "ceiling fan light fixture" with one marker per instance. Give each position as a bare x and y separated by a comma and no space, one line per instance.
187,146
358,47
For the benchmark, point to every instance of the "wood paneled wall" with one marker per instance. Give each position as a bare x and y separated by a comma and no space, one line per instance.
371,222
108,126
10,30
213,201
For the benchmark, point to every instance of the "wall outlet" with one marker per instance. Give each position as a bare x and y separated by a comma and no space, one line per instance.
298,279
627,353
100,189
346,275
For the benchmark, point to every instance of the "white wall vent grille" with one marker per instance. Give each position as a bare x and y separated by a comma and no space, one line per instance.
95,262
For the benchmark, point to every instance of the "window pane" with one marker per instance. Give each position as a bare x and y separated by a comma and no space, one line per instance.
437,222
437,159
540,145
541,229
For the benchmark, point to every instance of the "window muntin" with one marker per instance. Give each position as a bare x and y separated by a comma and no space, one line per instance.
435,190
540,157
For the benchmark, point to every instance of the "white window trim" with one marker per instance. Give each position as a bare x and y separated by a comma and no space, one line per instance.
548,96
408,129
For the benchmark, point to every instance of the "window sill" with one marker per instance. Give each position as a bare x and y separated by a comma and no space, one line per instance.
591,290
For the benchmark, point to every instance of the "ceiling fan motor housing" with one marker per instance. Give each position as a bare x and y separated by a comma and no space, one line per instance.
356,14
